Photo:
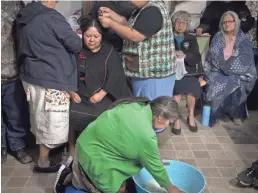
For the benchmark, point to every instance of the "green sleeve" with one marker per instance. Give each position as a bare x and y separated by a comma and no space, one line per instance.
149,158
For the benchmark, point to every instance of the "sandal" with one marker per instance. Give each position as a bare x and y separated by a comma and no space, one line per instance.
52,168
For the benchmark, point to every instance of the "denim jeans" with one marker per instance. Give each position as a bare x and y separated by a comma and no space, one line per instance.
15,116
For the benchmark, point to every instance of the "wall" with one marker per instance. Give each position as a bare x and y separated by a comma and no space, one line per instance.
68,7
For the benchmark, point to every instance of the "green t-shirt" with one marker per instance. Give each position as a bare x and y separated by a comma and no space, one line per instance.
118,144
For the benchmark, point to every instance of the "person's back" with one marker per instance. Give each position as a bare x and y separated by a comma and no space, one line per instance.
112,144
46,44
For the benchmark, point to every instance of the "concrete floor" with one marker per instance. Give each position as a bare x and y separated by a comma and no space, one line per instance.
219,152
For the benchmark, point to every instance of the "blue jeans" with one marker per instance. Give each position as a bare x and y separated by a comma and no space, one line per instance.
15,116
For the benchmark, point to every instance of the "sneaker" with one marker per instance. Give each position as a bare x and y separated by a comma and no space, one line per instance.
255,185
22,156
237,121
3,155
246,178
63,172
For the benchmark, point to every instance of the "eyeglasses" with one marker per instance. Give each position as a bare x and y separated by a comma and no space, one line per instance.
228,22
178,22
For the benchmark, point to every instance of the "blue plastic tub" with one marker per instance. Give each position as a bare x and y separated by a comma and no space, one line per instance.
70,189
182,175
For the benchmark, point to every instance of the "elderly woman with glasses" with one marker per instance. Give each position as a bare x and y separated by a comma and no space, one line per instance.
187,49
229,71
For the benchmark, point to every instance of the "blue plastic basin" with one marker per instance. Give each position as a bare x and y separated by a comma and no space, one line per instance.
182,175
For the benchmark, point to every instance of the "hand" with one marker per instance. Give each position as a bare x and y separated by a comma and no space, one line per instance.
105,12
180,54
173,189
199,31
75,97
105,21
97,97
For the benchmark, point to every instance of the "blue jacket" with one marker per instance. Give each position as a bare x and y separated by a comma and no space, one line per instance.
46,48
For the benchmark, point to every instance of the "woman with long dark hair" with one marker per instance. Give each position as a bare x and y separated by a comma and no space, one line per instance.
118,144
101,79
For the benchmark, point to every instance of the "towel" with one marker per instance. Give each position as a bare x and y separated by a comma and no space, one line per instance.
180,68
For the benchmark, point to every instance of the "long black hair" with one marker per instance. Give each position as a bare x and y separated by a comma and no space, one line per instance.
87,22
163,106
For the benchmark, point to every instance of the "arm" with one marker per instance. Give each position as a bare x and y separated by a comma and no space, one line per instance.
193,57
109,12
247,21
63,31
149,158
127,32
143,26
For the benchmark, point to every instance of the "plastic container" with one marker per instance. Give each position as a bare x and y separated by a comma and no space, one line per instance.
206,111
70,189
182,175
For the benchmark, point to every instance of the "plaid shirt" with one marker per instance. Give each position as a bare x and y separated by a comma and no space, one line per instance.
156,53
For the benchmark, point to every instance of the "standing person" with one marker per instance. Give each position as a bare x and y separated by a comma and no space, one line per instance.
46,48
118,144
122,8
14,115
148,50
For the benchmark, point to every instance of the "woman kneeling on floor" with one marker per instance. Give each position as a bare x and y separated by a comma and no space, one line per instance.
118,144
101,79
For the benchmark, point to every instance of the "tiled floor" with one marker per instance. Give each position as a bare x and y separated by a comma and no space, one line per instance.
219,153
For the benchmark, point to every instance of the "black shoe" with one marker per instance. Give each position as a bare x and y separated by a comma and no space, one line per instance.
62,173
22,156
3,155
247,177
193,129
174,130
53,168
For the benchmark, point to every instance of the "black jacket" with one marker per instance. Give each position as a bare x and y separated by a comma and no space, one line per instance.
190,48
122,8
46,48
214,11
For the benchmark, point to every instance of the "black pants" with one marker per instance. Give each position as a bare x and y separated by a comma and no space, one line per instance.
15,116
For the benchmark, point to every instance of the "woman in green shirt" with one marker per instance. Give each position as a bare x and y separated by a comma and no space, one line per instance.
118,144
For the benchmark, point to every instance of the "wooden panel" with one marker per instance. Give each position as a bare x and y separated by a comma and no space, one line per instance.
87,5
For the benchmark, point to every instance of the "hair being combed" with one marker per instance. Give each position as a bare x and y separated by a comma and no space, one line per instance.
163,106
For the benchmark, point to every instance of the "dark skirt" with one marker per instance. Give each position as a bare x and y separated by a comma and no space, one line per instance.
82,114
188,85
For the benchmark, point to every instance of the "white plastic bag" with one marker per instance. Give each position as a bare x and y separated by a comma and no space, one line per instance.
180,68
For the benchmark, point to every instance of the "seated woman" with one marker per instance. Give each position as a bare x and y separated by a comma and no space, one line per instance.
229,71
186,48
118,144
101,79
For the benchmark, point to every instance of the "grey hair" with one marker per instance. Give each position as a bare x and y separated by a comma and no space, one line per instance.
181,15
236,18
165,107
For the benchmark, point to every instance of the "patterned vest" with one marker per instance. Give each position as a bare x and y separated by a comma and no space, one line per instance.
155,54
